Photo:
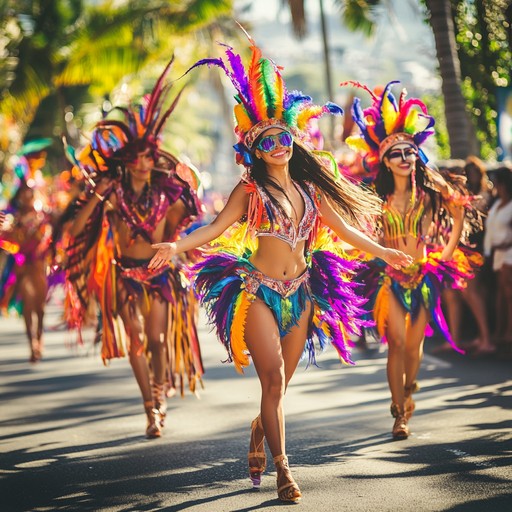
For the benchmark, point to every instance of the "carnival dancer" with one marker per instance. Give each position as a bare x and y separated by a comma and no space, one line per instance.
139,194
423,215
278,281
25,235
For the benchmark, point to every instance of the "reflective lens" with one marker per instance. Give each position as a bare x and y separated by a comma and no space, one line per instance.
402,153
269,143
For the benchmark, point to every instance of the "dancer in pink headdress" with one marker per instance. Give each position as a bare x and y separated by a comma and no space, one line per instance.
424,216
138,194
279,281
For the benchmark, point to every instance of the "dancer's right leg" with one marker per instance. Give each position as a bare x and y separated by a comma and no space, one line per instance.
134,326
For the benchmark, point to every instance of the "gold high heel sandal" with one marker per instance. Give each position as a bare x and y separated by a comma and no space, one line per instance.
153,428
287,488
400,428
159,401
257,452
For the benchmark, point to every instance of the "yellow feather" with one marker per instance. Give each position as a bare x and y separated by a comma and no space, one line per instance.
237,339
242,119
381,309
279,90
389,114
410,122
304,117
357,143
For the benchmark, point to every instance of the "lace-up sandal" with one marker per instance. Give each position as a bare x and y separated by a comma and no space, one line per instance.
257,456
154,428
287,489
409,404
159,401
400,428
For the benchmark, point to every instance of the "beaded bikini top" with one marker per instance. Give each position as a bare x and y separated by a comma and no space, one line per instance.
413,222
266,219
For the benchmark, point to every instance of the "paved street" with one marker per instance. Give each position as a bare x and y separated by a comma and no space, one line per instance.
71,435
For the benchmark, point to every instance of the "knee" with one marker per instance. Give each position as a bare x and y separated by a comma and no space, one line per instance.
273,384
156,344
396,344
414,351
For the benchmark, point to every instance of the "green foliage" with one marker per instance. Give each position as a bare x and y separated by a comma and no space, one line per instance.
57,55
435,107
484,51
359,15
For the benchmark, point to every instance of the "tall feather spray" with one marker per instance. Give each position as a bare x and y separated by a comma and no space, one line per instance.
384,117
261,96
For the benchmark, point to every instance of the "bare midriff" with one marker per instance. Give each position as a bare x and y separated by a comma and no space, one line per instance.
276,259
138,247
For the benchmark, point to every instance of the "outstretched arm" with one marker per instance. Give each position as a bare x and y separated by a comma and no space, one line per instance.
83,215
235,208
457,213
358,239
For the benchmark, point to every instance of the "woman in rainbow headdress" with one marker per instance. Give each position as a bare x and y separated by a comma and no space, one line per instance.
278,281
424,215
137,194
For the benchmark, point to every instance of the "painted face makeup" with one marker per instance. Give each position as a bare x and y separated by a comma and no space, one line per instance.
402,153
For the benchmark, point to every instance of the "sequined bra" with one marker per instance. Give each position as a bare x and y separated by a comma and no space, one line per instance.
412,223
266,219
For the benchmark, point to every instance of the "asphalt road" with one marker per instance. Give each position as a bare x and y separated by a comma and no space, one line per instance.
72,435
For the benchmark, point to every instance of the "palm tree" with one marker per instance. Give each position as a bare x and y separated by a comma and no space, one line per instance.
462,137
360,15
67,50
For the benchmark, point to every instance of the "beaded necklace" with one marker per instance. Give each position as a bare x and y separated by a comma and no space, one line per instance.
142,214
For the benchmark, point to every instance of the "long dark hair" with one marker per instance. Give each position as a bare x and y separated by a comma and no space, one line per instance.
356,205
384,183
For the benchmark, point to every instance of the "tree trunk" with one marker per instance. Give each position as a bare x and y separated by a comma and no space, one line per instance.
328,80
462,139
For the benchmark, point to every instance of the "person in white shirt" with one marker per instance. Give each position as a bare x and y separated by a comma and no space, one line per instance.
498,247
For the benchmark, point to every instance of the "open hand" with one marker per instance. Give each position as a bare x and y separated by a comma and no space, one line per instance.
166,250
397,259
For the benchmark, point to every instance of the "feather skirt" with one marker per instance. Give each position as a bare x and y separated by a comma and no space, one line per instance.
420,284
224,283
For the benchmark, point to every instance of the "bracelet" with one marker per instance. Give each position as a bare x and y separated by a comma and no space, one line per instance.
101,198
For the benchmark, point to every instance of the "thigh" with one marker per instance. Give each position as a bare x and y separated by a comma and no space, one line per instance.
263,340
130,314
395,330
293,343
417,330
156,319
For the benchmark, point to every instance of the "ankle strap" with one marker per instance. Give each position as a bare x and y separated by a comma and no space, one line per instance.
280,458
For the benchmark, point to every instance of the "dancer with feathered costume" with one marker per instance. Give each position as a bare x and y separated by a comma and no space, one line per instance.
426,216
279,282
138,194
25,235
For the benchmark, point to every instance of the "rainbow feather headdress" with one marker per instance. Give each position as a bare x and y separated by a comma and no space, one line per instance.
387,122
263,102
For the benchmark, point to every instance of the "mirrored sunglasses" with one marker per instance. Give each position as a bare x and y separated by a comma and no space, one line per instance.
269,143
